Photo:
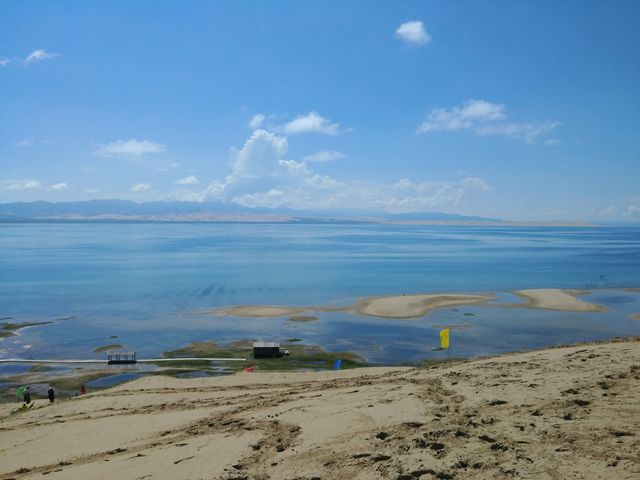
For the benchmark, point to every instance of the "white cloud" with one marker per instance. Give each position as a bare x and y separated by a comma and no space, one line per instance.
26,142
141,187
20,184
413,33
190,180
4,61
312,122
57,187
324,156
261,176
133,148
476,182
483,118
257,120
38,55
632,211
468,115
522,131
261,155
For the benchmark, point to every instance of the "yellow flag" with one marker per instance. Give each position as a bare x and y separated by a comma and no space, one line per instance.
444,338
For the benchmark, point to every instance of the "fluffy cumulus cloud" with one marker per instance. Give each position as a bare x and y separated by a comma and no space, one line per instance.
190,180
413,33
141,187
58,187
133,149
262,176
38,55
483,118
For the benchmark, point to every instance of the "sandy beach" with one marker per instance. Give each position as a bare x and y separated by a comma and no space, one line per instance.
569,412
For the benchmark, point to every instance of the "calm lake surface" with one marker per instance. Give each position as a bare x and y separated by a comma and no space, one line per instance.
145,285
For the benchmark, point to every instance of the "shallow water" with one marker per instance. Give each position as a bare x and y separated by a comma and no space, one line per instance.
146,285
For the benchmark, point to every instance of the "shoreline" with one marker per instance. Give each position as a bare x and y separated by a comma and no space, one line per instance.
526,412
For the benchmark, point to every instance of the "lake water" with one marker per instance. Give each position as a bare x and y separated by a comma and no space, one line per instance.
145,285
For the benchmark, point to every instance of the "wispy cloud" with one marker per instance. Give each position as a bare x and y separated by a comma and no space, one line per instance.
325,156
257,120
133,149
190,180
4,61
14,185
167,168
483,118
413,33
141,187
58,187
312,122
26,142
38,55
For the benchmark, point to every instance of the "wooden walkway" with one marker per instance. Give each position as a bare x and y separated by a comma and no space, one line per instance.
144,360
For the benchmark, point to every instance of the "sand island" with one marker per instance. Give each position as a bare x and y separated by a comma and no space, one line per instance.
418,305
556,299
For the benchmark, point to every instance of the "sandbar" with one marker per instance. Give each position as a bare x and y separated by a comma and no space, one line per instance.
557,299
568,412
414,306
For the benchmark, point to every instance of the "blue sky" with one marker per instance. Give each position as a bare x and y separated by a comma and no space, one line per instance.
517,110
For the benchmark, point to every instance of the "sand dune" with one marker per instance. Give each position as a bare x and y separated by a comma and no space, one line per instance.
556,299
571,412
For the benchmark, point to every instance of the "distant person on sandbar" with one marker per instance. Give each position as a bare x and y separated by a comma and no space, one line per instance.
83,390
27,395
52,394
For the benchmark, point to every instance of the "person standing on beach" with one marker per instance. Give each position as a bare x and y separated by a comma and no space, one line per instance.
27,395
83,390
52,394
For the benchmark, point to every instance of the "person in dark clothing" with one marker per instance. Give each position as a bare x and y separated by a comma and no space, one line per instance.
52,394
27,396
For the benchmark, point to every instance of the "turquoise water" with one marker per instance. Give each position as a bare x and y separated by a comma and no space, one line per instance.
146,284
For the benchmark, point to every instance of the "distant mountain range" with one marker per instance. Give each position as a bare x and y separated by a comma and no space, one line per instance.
124,210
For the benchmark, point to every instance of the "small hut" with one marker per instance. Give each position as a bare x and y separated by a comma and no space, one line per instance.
121,358
268,350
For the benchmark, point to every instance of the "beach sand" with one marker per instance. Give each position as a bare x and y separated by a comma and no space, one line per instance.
556,299
570,412
414,306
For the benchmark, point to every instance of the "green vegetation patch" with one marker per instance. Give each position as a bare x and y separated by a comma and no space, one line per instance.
106,348
303,318
301,357
7,329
